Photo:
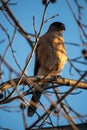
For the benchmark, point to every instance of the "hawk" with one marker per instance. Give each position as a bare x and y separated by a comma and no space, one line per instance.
51,57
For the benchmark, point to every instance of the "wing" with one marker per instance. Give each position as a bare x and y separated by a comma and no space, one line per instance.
36,66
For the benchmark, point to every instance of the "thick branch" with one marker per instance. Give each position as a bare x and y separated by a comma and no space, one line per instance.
41,80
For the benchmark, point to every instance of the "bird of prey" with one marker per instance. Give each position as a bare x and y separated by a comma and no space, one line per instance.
51,57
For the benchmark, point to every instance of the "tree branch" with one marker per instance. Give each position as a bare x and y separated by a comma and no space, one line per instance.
41,80
20,28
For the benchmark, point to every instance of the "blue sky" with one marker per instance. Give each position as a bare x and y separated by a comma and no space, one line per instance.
24,11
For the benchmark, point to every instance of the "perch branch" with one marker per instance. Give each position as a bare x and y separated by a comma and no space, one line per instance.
31,80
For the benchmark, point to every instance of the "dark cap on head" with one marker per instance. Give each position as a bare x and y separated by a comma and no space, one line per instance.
58,26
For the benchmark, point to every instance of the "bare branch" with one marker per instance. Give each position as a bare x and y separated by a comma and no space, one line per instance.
20,28
30,80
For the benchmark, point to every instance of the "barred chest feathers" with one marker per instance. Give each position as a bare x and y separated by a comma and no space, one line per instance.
52,52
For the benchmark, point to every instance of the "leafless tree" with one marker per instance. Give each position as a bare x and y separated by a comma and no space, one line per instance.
17,86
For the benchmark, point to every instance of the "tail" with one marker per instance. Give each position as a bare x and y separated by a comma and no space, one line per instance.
34,102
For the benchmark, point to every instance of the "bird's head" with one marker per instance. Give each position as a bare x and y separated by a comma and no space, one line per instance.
57,26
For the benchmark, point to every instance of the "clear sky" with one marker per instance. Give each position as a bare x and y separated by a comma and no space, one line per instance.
24,11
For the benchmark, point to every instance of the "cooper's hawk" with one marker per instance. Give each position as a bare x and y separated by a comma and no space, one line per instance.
50,59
